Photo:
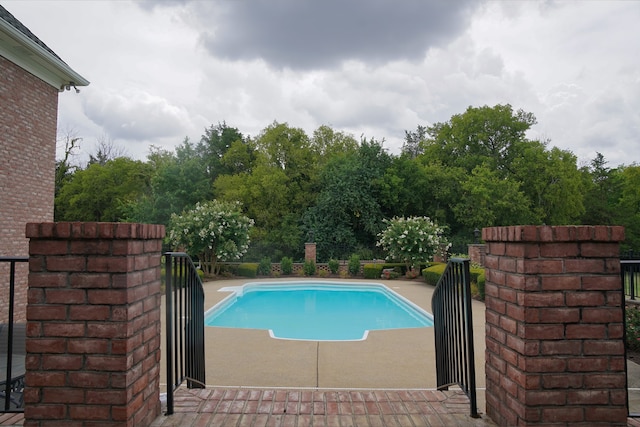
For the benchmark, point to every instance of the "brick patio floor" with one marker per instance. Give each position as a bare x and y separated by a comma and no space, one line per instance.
222,407
291,408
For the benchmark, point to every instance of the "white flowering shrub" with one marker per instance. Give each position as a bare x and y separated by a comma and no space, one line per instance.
412,240
213,231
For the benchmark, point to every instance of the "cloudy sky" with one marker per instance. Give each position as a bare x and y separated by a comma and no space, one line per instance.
163,70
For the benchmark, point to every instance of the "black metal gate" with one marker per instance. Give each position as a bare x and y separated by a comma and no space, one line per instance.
12,347
453,328
184,325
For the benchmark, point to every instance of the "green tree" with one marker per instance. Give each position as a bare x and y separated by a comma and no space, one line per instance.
214,145
602,192
487,200
347,214
628,206
413,240
275,189
481,135
178,181
213,231
102,192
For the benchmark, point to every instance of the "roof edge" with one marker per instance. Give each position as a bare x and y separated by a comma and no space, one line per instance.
38,60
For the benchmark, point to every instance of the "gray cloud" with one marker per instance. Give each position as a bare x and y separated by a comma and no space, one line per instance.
322,34
134,116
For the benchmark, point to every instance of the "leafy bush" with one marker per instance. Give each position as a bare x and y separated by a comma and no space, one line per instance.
286,264
264,268
334,266
480,282
247,269
354,265
633,328
432,274
309,268
214,231
372,271
412,240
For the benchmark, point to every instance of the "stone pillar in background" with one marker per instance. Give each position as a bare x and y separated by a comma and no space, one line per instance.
93,324
477,253
310,252
554,326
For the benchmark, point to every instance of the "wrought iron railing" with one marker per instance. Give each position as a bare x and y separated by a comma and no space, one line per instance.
12,347
453,328
184,325
630,274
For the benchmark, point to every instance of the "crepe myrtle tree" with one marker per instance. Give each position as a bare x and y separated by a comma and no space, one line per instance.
413,240
213,231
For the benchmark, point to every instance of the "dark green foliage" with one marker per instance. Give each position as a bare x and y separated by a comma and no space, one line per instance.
264,268
633,328
372,271
247,269
480,281
334,266
354,265
309,268
286,265
433,273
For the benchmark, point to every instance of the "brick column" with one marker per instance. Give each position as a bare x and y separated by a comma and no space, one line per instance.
310,252
554,325
93,324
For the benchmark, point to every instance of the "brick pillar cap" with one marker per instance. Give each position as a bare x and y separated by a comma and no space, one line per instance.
93,230
547,233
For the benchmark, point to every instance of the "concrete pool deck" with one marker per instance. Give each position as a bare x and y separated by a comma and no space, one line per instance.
393,359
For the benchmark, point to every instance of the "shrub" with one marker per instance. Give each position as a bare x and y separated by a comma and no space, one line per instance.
389,273
286,264
372,271
264,268
412,240
432,274
633,328
214,231
248,269
323,273
334,266
354,265
309,268
480,283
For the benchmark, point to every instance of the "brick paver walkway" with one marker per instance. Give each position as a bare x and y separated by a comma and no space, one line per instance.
297,408
222,407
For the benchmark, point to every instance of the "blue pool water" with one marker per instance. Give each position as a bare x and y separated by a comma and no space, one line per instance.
316,311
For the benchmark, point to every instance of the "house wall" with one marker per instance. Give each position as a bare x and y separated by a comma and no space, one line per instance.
28,125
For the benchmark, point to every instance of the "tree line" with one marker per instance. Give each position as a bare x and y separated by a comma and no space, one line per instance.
476,170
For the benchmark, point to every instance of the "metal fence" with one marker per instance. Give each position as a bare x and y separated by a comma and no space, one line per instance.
12,347
453,329
630,274
184,324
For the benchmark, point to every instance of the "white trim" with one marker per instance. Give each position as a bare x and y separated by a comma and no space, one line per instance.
27,54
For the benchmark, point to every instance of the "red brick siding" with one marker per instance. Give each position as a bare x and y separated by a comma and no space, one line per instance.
554,314
28,121
93,324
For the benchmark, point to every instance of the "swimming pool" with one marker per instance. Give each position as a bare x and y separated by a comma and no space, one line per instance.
316,311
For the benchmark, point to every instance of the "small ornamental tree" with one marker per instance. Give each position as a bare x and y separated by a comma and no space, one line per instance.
213,231
412,240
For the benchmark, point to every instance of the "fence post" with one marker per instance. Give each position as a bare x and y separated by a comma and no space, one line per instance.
93,324
554,325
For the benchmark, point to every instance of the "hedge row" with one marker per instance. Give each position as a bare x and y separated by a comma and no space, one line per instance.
433,273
